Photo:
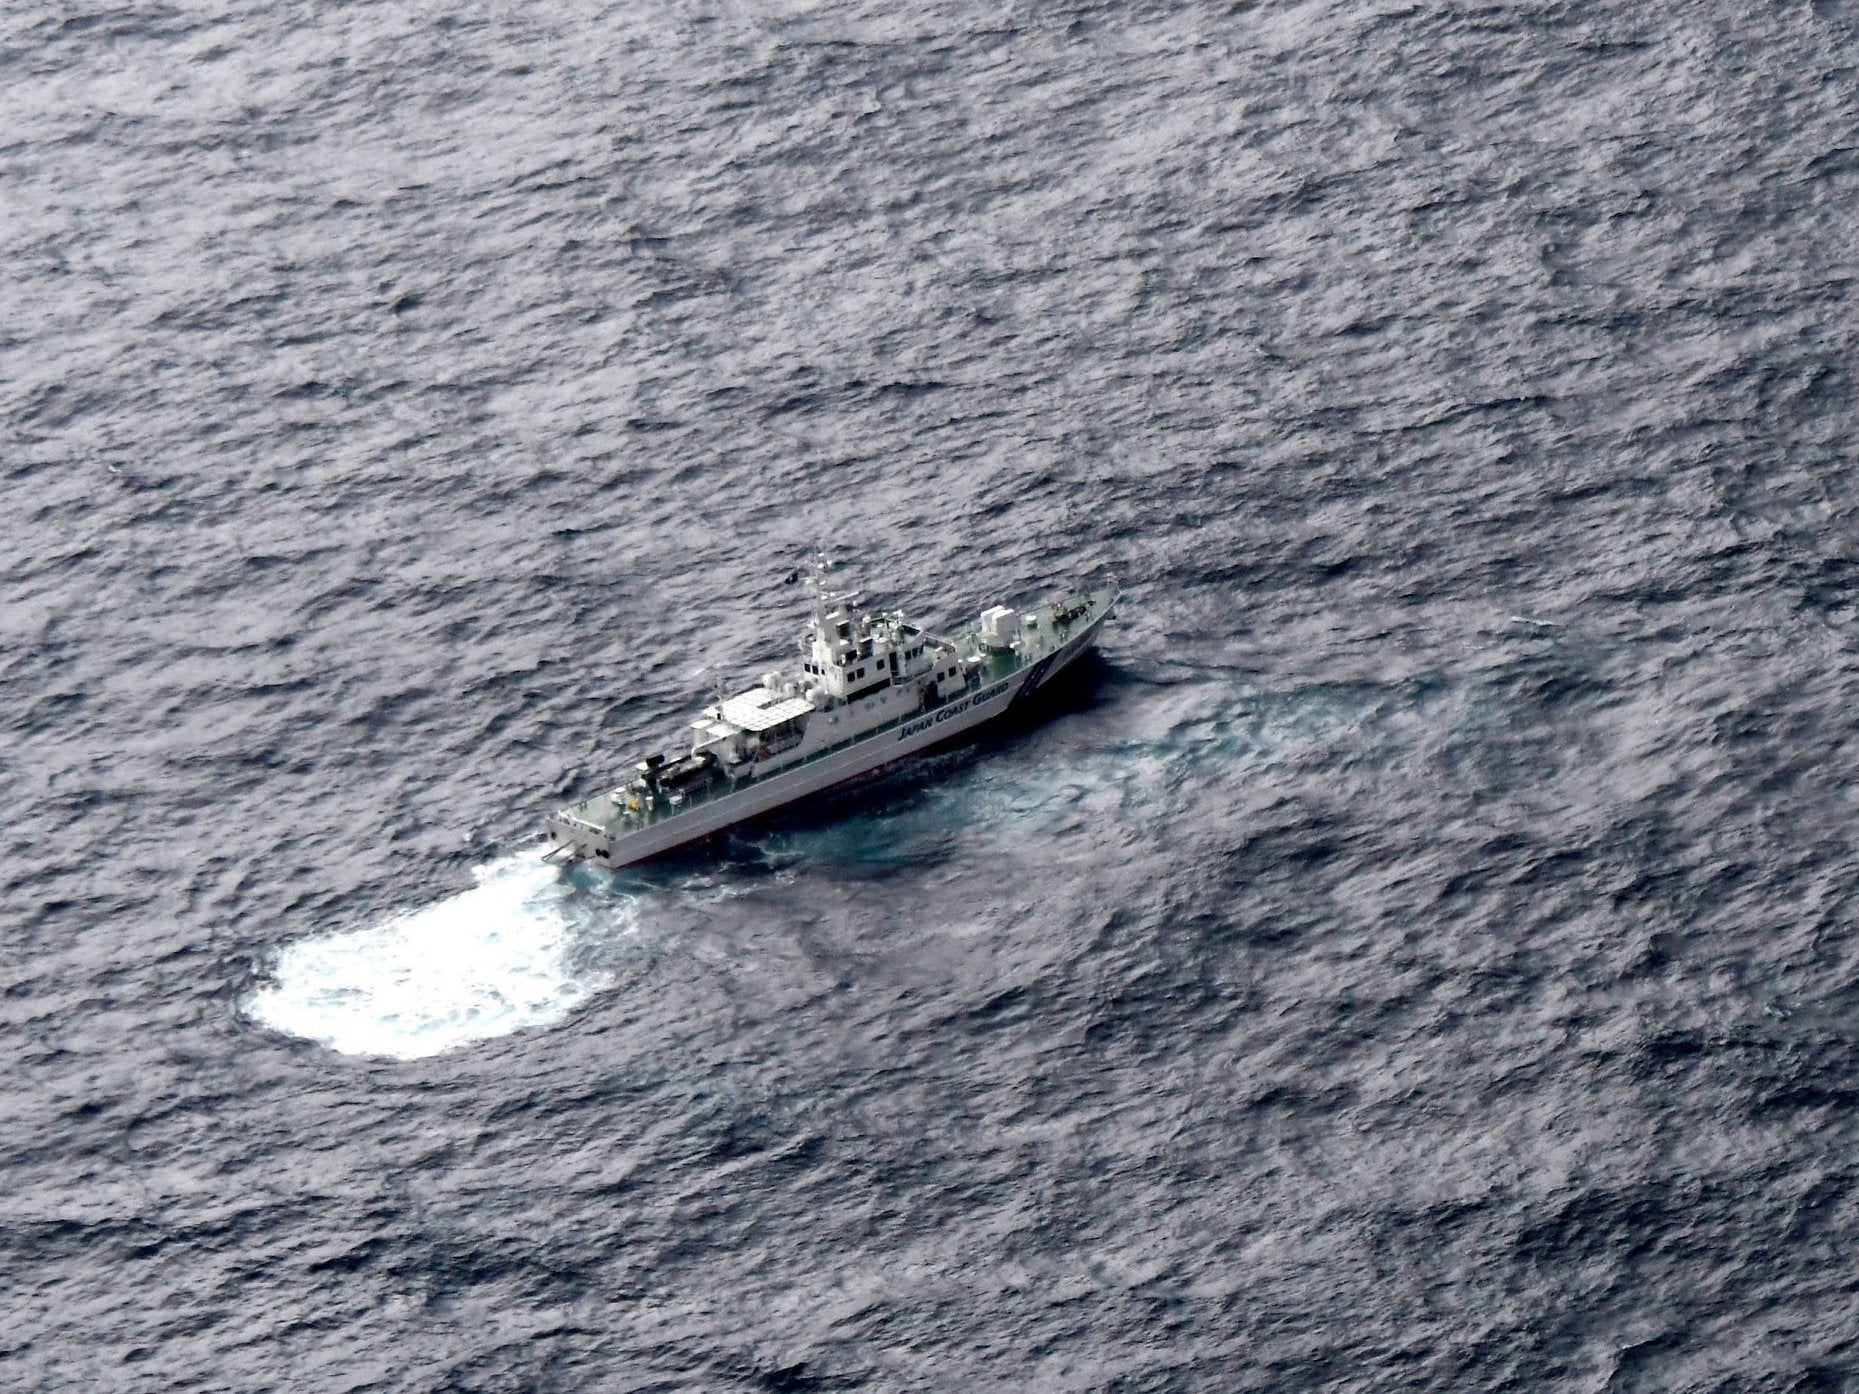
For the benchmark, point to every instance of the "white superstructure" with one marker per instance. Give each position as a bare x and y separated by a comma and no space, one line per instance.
868,690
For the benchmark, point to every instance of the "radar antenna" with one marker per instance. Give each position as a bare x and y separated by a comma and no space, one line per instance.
816,584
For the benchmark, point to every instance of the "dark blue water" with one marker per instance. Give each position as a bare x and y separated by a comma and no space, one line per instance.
1418,953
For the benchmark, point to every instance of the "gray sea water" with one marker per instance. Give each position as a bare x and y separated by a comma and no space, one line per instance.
1417,954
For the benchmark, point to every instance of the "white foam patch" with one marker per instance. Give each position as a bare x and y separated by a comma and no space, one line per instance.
486,962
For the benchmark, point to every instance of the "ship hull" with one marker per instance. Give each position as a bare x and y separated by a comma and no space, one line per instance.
954,719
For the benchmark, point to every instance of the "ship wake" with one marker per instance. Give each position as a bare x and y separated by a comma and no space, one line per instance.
492,960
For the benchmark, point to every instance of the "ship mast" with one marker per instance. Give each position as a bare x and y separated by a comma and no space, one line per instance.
816,587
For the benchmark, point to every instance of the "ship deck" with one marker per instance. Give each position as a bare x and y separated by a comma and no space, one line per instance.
605,809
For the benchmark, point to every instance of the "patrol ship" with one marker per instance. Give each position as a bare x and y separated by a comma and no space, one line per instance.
869,689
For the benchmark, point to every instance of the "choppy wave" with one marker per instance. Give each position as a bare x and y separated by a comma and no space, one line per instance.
399,405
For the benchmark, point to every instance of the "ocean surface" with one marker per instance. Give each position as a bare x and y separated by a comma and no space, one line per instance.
1416,953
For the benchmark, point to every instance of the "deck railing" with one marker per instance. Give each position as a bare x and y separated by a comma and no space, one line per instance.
998,665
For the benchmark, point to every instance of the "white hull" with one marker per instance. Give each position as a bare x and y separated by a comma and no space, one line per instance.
777,791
